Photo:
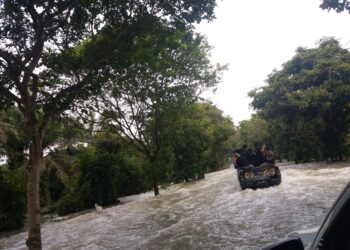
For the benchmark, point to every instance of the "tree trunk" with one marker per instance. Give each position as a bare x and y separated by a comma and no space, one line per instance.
35,161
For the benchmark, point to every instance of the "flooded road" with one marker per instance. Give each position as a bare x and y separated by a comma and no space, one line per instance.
210,214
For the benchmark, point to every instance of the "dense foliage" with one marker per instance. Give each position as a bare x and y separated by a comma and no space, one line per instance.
57,53
252,132
201,138
195,141
13,138
12,198
306,103
162,72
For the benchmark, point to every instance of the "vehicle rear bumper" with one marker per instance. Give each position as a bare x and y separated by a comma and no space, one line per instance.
268,182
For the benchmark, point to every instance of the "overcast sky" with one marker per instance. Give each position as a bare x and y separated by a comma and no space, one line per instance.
254,37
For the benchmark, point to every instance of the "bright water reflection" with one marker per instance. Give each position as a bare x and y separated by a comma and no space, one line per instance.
210,214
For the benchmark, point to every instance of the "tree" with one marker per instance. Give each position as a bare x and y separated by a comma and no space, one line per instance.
308,102
52,54
164,72
201,139
253,131
102,172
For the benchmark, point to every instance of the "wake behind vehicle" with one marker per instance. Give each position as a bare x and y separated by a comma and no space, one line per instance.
265,175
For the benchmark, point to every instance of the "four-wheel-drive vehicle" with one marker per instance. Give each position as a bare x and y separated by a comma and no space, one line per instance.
334,233
265,175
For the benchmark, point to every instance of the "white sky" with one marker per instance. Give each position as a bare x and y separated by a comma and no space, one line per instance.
254,37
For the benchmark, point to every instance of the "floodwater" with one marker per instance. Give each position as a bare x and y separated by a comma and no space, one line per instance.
209,214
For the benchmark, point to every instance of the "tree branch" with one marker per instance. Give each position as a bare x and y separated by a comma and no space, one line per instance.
10,95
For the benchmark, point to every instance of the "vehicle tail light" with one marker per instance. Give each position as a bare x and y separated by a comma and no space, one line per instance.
269,172
248,175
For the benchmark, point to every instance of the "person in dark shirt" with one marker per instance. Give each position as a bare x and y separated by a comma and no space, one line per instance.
239,160
259,157
245,153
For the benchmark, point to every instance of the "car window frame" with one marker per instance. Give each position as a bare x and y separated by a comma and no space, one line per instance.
332,216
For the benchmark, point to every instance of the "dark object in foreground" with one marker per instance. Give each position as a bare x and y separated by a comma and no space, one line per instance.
332,235
265,175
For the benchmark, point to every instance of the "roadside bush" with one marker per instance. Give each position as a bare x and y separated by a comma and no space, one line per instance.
190,146
70,202
132,177
102,174
12,198
164,164
96,182
98,178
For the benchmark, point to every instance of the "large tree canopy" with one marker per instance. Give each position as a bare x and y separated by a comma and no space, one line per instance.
308,101
42,54
162,71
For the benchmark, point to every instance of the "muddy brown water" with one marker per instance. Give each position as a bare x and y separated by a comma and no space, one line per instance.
209,214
